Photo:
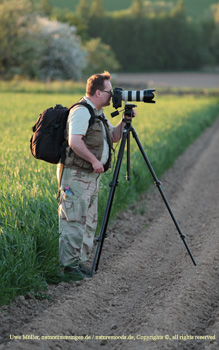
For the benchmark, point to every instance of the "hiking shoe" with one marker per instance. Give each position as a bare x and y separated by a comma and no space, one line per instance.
74,272
85,271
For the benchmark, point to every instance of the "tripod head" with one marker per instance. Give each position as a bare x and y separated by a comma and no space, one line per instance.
128,113
128,110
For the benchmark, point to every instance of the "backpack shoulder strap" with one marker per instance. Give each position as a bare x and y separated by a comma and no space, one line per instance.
85,104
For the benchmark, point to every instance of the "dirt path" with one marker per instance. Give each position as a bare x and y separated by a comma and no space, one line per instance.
147,293
176,80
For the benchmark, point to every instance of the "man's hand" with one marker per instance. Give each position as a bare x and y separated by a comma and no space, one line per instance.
133,115
97,166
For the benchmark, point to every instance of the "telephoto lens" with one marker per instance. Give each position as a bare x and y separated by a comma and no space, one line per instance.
139,95
120,95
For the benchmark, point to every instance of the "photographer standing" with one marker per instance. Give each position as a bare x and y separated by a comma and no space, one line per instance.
87,156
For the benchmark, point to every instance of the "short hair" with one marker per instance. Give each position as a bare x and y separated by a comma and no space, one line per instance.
96,82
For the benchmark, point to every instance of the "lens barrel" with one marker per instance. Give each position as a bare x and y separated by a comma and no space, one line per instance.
120,95
138,96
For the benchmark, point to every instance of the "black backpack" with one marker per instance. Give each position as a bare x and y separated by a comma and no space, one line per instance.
48,142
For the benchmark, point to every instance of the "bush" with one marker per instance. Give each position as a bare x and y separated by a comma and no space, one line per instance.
62,57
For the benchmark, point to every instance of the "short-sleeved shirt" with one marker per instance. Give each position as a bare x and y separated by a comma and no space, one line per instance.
78,124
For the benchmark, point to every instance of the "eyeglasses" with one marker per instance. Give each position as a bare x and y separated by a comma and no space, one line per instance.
109,92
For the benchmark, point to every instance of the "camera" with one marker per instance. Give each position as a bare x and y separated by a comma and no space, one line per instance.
120,95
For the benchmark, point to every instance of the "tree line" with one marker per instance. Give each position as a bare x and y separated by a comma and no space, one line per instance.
148,38
40,41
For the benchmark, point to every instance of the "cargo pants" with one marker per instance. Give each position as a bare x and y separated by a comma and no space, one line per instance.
77,216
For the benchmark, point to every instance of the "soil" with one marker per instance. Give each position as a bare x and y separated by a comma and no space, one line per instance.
204,80
147,293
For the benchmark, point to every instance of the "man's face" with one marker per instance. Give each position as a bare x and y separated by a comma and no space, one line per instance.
106,93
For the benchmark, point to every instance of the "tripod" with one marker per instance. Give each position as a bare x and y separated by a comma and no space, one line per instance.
126,140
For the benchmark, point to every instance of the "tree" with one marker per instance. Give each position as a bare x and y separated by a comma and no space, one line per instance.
83,9
100,57
46,7
216,16
97,9
178,13
214,39
18,49
137,8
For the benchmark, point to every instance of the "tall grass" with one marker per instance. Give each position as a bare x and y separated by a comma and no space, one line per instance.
28,208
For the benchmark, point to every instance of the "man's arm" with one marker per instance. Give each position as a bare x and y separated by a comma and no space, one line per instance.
79,147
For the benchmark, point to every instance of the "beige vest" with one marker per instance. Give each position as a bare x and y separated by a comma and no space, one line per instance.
94,140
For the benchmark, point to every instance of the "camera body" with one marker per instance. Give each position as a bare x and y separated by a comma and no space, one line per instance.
120,95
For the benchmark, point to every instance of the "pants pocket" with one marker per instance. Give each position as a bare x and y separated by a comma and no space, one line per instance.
70,208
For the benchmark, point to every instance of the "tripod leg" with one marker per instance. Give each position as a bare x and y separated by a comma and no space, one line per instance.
158,184
113,185
128,158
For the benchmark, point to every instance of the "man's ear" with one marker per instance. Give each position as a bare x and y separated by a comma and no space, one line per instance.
97,93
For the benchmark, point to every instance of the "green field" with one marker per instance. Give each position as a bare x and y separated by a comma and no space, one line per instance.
194,8
28,208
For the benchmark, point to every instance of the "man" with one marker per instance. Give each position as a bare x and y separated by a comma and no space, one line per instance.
87,156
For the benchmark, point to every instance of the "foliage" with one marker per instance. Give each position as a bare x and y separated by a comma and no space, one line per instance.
214,37
83,9
214,43
62,57
17,51
100,57
162,38
159,43
97,9
216,14
196,9
28,209
46,7
137,8
73,19
36,47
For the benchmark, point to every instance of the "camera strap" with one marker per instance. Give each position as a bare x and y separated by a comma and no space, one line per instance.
109,140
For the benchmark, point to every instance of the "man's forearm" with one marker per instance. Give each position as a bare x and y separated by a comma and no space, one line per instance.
79,147
118,130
